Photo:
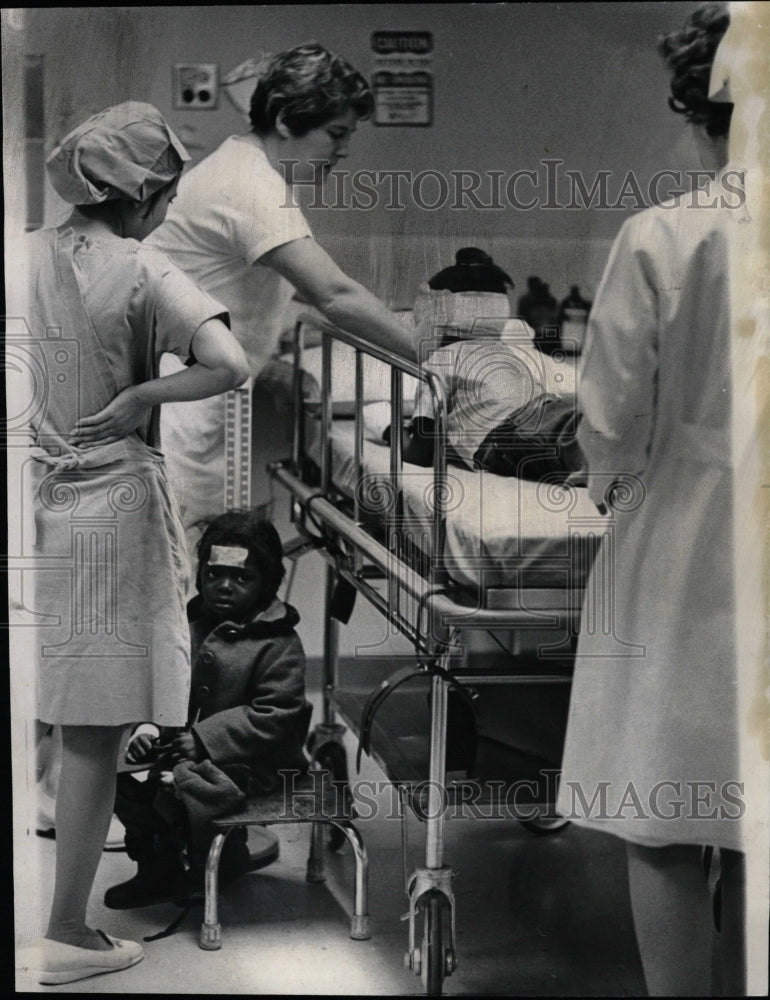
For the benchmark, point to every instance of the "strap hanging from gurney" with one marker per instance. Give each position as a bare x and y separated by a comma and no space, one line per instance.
388,686
173,926
344,595
331,547
421,606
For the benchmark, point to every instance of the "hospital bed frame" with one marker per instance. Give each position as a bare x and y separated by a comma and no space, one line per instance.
425,606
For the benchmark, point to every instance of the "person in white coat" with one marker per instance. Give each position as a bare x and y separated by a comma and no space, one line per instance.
652,743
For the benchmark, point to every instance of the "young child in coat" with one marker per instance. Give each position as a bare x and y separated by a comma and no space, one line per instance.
248,719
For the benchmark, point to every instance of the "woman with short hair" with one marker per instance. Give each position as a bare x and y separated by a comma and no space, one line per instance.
236,230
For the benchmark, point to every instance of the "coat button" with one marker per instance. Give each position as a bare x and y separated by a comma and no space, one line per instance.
203,691
207,657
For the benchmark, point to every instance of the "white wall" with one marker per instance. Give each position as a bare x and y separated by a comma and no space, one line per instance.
515,84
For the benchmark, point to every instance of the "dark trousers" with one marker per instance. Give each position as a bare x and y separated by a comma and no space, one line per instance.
149,829
537,441
157,827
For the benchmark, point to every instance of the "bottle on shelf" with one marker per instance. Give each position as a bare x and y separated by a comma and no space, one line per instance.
573,319
539,308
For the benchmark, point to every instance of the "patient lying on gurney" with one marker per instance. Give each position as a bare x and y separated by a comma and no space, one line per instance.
500,417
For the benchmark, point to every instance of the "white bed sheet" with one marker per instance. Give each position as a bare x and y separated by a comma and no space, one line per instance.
501,532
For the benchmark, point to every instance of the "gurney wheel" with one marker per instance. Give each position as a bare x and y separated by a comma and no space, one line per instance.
433,957
544,826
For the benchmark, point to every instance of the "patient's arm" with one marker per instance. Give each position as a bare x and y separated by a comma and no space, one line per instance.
418,444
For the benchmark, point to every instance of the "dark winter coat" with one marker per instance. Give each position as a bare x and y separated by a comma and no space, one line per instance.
247,694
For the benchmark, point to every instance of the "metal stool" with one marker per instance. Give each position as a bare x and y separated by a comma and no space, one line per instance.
311,798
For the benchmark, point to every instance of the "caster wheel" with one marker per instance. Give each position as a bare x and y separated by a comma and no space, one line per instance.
433,954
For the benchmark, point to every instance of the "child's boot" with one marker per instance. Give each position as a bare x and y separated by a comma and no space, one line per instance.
235,860
160,871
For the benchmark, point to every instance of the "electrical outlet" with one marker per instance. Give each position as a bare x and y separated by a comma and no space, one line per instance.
196,85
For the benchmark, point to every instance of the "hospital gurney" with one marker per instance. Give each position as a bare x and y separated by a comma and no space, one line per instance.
441,553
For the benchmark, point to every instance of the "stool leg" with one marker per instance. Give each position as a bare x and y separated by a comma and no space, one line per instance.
316,871
210,936
359,925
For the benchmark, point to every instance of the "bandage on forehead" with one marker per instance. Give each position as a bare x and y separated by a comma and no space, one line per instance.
228,555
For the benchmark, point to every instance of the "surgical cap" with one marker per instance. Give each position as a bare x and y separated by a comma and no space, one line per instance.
124,152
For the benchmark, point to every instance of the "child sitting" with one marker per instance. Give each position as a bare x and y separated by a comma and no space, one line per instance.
499,416
248,719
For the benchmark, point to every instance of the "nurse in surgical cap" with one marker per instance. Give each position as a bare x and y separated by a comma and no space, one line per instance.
113,648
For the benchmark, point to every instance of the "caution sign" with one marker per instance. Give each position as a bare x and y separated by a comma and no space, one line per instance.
402,80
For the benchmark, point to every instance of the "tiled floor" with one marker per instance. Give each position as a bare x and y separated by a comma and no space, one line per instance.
536,916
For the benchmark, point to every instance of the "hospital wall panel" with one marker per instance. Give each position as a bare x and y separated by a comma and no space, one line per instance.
515,86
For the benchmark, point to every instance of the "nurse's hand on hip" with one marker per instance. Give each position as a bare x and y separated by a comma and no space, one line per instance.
220,365
116,421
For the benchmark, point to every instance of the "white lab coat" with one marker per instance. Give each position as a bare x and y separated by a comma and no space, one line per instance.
652,740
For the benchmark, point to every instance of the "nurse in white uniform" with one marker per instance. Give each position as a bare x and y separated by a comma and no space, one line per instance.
652,745
236,229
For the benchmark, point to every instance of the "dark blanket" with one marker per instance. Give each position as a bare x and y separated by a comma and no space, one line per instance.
537,441
208,792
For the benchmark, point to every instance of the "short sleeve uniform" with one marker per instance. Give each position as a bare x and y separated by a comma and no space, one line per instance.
112,640
231,208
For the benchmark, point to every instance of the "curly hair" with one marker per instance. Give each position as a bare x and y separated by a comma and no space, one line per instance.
259,537
310,85
689,54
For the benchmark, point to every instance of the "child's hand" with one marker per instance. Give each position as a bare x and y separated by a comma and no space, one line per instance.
141,749
184,747
116,421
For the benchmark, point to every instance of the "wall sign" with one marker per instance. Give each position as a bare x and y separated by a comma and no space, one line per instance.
402,80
